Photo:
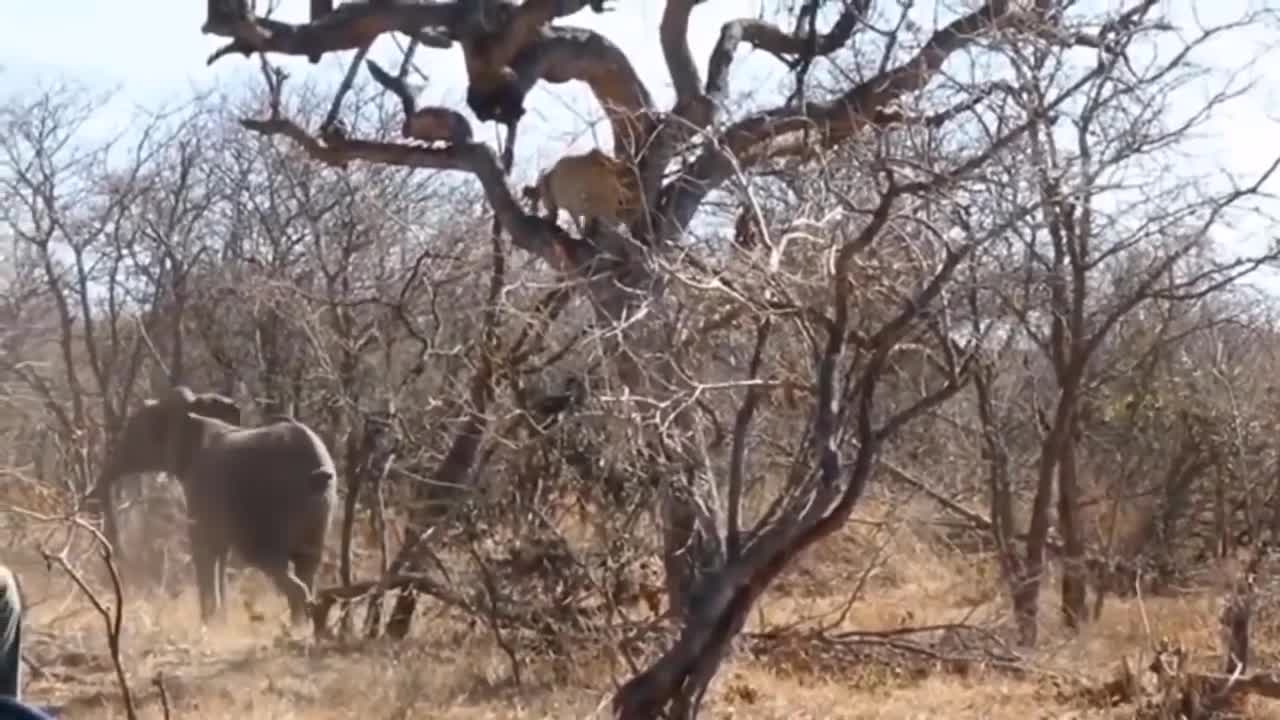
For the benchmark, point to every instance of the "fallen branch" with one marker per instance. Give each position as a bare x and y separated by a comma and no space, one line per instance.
326,598
1178,692
897,645
530,618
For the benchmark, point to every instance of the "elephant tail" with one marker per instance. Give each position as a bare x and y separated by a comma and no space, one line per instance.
320,480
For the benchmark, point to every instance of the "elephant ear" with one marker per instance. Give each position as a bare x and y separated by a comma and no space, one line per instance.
140,446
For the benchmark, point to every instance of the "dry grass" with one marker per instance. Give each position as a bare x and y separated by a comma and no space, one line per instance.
251,666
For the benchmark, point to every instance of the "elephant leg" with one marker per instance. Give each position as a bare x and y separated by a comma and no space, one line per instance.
223,556
206,554
206,566
290,586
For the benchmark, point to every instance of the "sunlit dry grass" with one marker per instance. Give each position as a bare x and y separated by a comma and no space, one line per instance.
253,666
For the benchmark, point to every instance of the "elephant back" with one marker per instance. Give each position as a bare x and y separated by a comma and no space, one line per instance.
243,470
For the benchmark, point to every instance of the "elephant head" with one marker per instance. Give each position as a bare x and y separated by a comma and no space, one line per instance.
147,442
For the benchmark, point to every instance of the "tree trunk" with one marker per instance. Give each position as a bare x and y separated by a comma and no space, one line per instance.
449,477
688,554
1074,600
356,468
354,481
358,452
1221,514
673,686
373,617
448,480
1026,590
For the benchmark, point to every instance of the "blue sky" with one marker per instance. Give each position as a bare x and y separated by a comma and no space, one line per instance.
153,53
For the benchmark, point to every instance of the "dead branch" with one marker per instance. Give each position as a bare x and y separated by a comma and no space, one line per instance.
112,619
1178,692
326,598
335,107
1263,684
565,53
352,25
529,232
835,121
508,48
792,48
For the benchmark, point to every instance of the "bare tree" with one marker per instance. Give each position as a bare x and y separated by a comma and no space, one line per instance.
1085,267
111,241
715,570
861,214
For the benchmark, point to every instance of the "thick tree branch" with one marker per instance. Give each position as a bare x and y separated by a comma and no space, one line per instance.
674,34
428,124
352,25
833,122
694,109
529,232
566,53
355,24
771,38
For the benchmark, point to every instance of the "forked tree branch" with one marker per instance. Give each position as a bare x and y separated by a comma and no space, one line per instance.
770,38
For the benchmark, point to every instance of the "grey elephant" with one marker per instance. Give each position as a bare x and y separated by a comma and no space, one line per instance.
10,635
139,448
267,492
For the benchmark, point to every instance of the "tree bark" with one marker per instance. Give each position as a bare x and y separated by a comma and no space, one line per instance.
1074,600
1026,593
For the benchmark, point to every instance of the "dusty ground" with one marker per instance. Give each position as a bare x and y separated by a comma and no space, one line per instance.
250,666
